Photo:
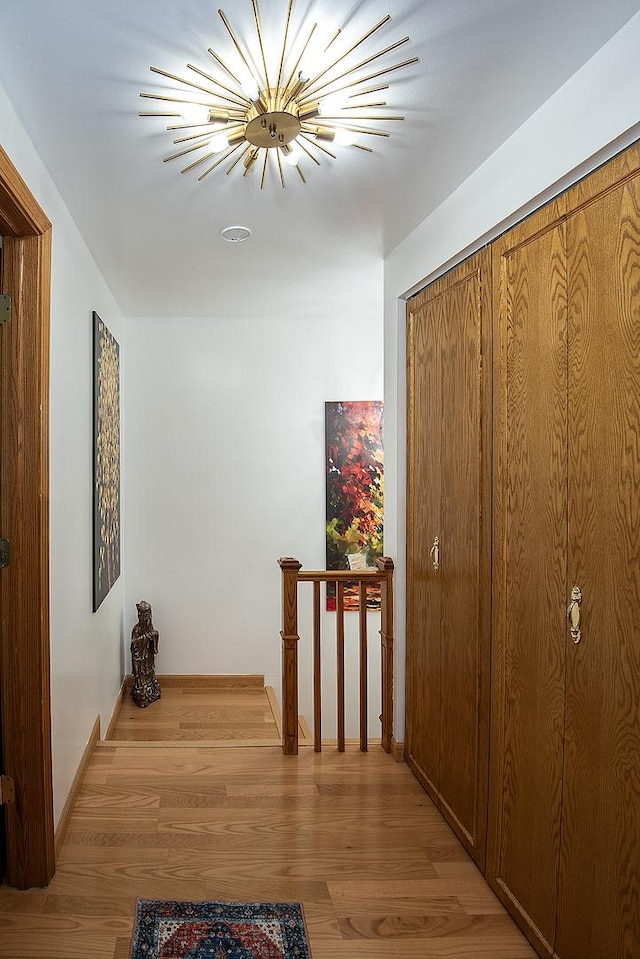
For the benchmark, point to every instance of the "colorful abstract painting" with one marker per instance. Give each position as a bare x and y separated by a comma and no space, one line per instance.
355,488
106,461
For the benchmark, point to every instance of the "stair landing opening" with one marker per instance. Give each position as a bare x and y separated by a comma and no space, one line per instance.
204,710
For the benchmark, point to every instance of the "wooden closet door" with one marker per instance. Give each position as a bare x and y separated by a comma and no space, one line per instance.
599,903
424,479
530,580
448,608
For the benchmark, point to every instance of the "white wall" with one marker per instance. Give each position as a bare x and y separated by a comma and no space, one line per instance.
225,472
86,649
593,116
224,425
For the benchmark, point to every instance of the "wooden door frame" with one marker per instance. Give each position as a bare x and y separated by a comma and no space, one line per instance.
24,521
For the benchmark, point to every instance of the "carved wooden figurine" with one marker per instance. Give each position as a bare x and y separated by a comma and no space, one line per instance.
144,646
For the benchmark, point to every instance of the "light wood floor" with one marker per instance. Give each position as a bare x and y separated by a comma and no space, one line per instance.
352,836
200,712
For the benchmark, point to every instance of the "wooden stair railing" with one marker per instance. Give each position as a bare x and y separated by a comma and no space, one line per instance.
292,574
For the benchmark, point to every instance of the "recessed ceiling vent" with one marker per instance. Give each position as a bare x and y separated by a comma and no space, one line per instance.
235,234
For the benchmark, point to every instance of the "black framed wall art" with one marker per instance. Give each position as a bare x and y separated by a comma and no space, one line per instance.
106,461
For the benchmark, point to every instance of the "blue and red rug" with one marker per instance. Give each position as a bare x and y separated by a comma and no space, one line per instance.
219,930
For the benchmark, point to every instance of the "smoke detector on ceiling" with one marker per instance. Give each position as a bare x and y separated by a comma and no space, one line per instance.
235,234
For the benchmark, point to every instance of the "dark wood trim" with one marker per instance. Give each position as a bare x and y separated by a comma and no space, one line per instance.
250,680
24,520
20,213
125,686
65,816
275,708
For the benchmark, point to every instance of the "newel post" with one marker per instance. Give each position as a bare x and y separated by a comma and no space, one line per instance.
385,565
290,568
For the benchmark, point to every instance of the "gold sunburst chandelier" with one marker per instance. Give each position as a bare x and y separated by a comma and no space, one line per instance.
293,105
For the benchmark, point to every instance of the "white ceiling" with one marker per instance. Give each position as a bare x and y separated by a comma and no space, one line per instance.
74,69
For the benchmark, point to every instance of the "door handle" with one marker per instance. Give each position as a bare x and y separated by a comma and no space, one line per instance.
434,552
573,614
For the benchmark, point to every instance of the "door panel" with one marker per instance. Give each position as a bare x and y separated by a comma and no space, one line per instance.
463,572
3,839
599,906
448,608
423,525
530,572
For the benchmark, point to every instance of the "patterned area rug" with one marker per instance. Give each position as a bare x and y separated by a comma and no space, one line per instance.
219,930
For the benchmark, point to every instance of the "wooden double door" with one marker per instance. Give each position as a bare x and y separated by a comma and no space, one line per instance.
562,821
564,828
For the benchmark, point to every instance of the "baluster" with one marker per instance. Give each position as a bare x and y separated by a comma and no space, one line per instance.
291,576
317,684
385,565
340,650
363,668
289,633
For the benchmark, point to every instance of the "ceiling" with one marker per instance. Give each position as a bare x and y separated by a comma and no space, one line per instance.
74,70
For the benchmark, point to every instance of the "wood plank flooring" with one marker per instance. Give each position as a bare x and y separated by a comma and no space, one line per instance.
199,713
352,836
